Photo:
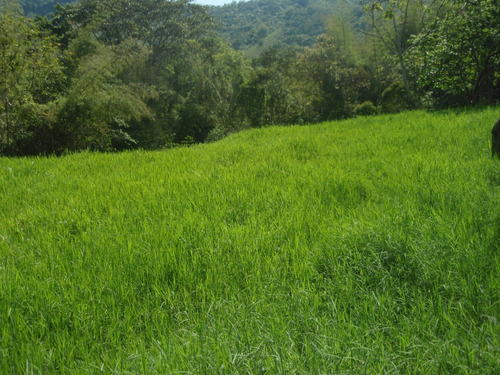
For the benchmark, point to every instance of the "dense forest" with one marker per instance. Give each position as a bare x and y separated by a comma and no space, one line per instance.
255,26
115,74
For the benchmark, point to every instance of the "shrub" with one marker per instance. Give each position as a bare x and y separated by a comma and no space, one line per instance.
395,98
365,109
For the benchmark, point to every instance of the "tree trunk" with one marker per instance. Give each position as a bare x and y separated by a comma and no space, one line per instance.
406,81
402,64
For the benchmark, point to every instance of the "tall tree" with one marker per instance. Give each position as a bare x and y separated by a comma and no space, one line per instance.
459,60
394,22
29,76
274,94
334,81
188,74
106,98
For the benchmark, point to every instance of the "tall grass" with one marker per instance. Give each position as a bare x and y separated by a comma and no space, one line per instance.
363,246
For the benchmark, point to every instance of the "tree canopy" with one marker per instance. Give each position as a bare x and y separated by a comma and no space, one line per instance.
255,26
118,74
457,60
30,75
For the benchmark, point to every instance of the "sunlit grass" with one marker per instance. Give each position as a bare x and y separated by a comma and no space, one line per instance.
369,245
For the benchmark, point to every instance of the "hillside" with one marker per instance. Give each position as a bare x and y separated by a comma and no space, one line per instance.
41,7
121,75
363,246
254,26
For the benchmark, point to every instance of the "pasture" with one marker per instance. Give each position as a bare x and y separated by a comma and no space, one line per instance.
368,245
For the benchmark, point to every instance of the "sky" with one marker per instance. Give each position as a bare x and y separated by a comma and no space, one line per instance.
214,2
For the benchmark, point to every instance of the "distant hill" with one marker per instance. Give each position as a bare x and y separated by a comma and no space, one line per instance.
256,25
41,7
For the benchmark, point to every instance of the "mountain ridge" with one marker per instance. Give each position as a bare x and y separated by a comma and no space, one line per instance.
256,25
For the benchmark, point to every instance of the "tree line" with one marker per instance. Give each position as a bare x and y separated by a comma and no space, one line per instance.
121,74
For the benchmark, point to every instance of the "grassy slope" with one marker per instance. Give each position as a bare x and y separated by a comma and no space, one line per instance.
365,245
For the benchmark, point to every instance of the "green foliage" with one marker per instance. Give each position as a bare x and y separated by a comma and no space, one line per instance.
30,75
458,59
343,36
106,98
120,74
365,109
41,7
207,80
394,22
275,95
139,74
194,74
363,246
216,134
337,82
395,98
256,26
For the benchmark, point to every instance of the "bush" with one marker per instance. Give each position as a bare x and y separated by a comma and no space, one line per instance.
216,134
365,109
395,98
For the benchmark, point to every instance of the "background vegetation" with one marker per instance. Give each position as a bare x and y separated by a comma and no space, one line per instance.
115,75
368,245
255,26
41,7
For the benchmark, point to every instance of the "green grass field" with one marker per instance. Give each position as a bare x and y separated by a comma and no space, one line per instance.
364,246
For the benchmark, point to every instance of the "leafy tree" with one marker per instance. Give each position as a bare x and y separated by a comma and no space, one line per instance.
162,25
395,98
30,76
336,83
105,99
344,37
394,22
217,72
142,74
202,88
458,61
274,94
359,52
